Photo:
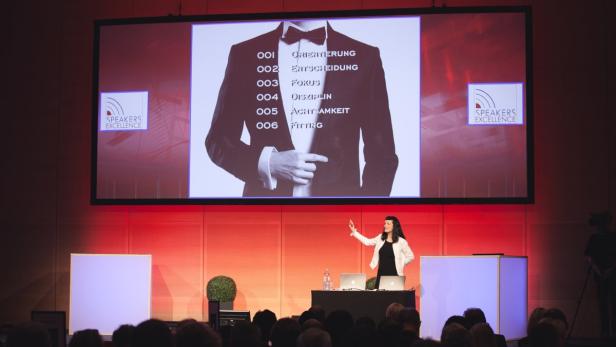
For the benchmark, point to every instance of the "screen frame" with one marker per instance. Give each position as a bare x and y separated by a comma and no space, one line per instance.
530,179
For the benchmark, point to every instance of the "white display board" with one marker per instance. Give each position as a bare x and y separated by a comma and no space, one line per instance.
108,290
495,284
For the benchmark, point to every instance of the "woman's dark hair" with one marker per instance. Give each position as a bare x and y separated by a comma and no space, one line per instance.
396,232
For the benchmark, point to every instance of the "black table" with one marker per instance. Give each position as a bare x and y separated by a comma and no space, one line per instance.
362,303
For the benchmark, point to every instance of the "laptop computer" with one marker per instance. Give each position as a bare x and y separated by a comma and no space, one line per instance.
392,282
352,281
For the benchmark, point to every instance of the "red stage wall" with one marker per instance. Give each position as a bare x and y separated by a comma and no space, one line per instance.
278,253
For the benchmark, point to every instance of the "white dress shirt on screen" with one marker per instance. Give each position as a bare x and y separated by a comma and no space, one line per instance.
301,124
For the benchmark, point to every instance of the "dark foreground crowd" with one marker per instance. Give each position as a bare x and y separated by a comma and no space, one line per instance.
400,328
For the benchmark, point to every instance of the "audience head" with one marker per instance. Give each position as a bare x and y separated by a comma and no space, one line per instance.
306,315
365,323
457,319
409,318
244,334
196,334
545,334
152,333
455,335
534,318
264,320
314,337
29,334
560,326
426,343
312,323
225,334
482,335
86,338
319,313
363,333
123,336
389,332
407,337
338,323
558,315
393,310
285,332
474,316
185,322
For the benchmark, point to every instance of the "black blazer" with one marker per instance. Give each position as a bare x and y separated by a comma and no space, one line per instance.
364,91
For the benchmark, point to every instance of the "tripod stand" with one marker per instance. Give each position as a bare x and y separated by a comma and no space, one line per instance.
579,302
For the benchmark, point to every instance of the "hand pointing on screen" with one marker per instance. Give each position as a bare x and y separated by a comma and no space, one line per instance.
295,166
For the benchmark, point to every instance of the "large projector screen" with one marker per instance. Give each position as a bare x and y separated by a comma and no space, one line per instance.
391,106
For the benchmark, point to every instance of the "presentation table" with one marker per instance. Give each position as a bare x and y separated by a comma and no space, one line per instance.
362,303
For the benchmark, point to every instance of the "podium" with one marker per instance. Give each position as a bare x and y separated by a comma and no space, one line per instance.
108,290
494,283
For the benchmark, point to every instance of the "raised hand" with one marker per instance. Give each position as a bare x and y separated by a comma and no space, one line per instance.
352,226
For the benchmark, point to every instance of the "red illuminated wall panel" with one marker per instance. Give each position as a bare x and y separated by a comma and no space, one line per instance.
315,238
175,241
243,242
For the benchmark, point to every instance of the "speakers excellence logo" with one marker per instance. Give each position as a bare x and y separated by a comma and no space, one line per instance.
123,111
495,103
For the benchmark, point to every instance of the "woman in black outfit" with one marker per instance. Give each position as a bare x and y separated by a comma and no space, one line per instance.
391,250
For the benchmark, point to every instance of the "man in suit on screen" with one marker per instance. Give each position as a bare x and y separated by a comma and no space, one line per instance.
305,93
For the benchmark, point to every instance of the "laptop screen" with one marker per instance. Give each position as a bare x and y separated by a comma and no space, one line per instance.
350,281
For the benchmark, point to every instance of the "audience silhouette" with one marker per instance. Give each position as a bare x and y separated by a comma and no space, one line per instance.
86,338
123,336
29,334
476,316
284,333
264,320
455,335
401,327
195,335
152,333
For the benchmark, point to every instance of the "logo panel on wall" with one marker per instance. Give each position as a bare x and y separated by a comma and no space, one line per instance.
495,103
124,111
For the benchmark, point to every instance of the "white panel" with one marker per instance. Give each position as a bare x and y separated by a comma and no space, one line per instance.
513,303
109,290
450,285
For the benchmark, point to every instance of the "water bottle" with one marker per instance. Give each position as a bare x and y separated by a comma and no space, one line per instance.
327,284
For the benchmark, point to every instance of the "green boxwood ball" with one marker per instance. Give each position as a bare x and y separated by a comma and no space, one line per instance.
221,288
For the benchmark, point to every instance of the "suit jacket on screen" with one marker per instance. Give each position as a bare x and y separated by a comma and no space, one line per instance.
364,91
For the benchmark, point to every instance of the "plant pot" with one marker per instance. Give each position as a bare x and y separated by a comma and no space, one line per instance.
227,305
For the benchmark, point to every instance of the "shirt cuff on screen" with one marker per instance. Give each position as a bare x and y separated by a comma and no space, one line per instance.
265,175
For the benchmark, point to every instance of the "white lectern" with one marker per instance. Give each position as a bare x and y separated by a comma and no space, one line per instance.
496,284
108,290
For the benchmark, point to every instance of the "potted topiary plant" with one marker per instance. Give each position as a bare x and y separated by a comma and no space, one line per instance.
223,289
